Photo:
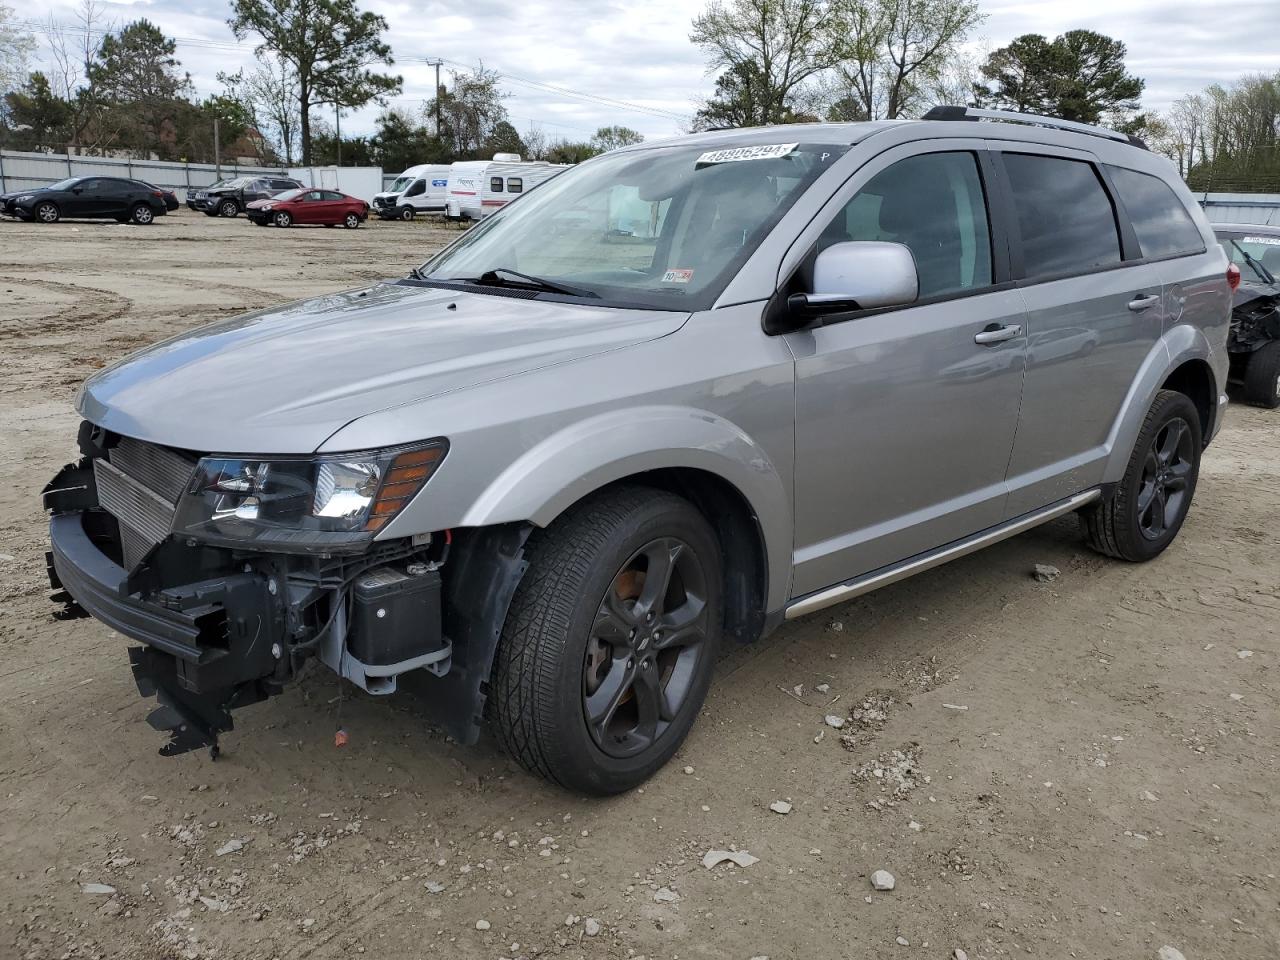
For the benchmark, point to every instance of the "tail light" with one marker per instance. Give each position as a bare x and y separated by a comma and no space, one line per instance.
160,193
1233,276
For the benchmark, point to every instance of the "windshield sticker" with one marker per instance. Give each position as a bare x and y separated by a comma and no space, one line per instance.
770,151
677,276
1268,241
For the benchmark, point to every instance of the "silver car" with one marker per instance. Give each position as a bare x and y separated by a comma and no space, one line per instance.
679,394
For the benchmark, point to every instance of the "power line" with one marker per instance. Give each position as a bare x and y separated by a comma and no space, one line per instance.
564,92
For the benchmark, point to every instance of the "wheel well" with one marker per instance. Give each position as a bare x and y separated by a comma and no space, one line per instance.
1195,379
741,542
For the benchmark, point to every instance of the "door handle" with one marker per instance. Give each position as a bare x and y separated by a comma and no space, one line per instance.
993,333
1142,301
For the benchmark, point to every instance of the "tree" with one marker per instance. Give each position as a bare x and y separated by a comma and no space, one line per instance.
613,137
469,113
328,47
270,96
1227,138
565,151
16,48
40,119
504,138
896,57
1078,76
768,48
135,77
401,141
73,50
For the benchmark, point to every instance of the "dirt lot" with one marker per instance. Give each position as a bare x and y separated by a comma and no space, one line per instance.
1083,768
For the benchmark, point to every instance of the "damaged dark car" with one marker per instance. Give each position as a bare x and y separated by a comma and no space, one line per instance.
1254,343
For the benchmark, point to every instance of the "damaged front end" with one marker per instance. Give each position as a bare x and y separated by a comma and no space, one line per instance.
1255,321
232,572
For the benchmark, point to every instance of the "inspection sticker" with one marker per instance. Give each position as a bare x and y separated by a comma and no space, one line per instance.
770,151
677,276
1268,241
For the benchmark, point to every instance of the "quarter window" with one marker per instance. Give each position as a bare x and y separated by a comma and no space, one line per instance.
934,204
495,184
515,184
1064,215
1163,226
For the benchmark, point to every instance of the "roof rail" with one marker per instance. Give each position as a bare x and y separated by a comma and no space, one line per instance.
1031,119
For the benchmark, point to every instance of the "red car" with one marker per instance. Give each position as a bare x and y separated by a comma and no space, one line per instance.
311,205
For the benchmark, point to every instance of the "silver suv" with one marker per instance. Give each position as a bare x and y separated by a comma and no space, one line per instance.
675,396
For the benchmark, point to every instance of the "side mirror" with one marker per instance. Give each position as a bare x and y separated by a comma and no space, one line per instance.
858,275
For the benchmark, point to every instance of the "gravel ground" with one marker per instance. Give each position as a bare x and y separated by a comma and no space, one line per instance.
1085,767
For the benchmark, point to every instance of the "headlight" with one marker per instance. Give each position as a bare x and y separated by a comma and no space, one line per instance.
266,206
316,504
25,196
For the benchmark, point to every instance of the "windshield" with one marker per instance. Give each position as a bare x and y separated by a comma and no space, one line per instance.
288,195
665,228
401,184
1263,250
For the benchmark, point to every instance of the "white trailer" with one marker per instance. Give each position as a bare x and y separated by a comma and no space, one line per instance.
420,189
478,188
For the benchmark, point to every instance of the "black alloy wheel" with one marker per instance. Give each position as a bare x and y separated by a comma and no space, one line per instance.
645,648
1163,493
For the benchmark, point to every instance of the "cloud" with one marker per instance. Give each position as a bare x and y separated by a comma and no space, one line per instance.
640,54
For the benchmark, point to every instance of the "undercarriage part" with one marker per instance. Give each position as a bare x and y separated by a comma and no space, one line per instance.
192,720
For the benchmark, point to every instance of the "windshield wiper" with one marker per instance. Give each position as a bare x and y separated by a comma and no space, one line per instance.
495,276
1258,268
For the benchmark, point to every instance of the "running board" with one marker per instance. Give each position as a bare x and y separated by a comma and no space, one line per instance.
927,561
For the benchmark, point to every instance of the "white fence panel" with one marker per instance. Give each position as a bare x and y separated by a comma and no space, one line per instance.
27,171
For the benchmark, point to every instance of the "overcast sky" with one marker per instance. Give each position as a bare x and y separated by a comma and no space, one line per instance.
632,63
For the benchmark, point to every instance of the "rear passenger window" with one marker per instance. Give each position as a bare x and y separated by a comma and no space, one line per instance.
514,184
495,184
1163,226
1064,215
933,204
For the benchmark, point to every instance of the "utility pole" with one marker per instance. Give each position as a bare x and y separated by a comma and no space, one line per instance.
337,126
436,63
217,151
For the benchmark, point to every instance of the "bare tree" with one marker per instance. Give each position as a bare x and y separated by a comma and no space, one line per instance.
270,94
897,57
779,44
73,51
16,47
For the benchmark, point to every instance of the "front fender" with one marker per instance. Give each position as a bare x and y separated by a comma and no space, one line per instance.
579,459
1180,344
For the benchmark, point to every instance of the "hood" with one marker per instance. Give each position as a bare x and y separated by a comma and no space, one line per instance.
283,380
261,203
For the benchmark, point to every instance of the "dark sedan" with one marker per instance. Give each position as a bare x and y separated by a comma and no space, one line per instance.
95,198
311,205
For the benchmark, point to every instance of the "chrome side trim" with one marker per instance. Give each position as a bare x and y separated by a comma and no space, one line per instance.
887,575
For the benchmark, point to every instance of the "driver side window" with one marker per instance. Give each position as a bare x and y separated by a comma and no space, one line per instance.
934,204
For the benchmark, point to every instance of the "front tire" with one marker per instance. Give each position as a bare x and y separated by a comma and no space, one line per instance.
1147,509
46,212
228,208
406,213
608,647
282,219
1262,376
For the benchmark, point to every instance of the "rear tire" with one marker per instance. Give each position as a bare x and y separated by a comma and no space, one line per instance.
598,680
142,215
351,221
1262,376
1145,512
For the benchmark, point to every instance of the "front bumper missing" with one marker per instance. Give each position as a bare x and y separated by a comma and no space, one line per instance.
210,646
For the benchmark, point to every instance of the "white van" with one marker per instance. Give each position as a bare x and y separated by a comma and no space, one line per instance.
419,189
478,188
